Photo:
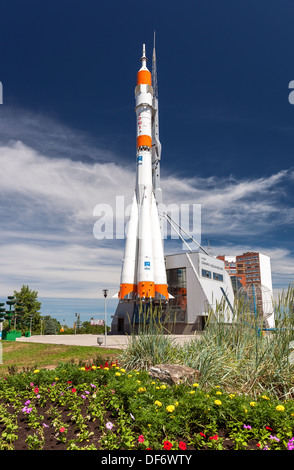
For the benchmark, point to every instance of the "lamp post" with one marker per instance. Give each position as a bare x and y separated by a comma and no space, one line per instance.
76,323
2,313
105,291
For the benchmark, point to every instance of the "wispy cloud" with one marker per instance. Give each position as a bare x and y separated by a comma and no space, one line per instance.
48,194
237,207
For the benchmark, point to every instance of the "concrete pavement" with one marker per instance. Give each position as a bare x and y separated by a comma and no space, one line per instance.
112,341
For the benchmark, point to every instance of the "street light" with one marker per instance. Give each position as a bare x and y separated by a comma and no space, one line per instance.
75,324
105,291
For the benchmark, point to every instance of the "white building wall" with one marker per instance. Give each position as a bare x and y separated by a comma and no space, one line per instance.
202,292
265,271
266,280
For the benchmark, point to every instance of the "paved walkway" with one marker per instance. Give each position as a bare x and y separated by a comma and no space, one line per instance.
112,341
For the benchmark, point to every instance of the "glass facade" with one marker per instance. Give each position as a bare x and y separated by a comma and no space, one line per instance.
177,287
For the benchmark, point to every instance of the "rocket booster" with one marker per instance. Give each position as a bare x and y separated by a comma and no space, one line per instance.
143,274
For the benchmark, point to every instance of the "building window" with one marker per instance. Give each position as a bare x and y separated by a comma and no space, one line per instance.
218,277
206,273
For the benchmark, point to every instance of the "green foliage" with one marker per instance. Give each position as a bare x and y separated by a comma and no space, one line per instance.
51,325
31,305
133,411
233,355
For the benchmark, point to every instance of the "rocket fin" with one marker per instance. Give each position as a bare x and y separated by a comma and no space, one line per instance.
128,273
160,279
145,276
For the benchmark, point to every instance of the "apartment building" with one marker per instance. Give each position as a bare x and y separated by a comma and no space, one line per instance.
249,269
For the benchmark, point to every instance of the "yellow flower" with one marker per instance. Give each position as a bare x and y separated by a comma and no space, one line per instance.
122,370
265,397
82,368
252,403
217,402
176,403
106,368
94,367
170,408
36,371
195,385
153,383
130,375
280,408
163,386
192,391
245,411
231,395
56,378
218,393
141,389
118,374
158,403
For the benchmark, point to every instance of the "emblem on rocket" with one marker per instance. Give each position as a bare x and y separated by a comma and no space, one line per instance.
143,274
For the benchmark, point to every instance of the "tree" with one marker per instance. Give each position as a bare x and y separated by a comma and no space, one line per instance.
51,325
94,329
31,305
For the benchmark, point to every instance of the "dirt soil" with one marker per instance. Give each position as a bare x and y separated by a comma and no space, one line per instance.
52,442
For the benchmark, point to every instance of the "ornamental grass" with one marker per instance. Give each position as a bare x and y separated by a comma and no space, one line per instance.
242,400
237,355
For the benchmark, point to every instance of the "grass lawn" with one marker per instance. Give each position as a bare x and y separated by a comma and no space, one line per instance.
21,356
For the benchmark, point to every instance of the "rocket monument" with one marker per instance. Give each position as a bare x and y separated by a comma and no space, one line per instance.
143,274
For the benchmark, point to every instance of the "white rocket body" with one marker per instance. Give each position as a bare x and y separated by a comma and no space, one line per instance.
143,275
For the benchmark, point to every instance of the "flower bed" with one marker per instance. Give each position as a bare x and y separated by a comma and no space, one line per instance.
109,408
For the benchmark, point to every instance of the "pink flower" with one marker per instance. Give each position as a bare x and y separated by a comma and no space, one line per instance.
141,438
62,429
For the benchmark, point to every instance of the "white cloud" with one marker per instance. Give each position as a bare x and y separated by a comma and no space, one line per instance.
46,211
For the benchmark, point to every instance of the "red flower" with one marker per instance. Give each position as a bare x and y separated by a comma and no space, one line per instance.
69,381
268,428
62,429
182,445
141,438
36,390
214,438
258,445
73,389
167,445
202,435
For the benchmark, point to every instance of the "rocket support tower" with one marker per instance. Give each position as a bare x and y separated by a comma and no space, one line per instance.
143,275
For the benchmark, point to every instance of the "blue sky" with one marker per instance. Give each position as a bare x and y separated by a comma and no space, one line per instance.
67,135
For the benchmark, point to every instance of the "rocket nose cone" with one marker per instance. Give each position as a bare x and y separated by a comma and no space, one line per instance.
144,59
